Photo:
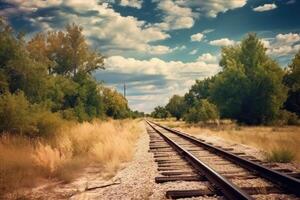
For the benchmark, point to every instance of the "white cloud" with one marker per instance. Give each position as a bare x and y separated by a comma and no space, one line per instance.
180,48
211,8
282,44
173,77
193,52
181,14
176,17
132,3
206,31
222,42
197,37
265,7
172,69
288,38
207,58
117,33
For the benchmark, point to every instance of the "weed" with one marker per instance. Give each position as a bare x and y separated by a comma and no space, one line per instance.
281,155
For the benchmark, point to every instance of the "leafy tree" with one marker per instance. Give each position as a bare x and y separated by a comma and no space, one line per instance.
250,87
115,104
18,69
229,91
203,111
50,77
160,112
292,81
70,52
176,106
88,98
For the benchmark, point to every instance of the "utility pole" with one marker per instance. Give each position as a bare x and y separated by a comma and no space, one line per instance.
125,90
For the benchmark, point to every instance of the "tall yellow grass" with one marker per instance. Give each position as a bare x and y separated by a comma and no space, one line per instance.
267,139
23,162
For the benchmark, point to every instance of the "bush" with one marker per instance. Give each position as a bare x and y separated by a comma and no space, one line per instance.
288,118
48,123
15,114
203,111
160,112
281,155
18,116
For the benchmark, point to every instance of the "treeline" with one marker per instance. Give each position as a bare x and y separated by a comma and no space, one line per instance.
251,88
48,80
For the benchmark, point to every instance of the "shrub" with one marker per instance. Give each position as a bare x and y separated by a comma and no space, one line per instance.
282,155
15,114
286,117
203,111
18,116
48,123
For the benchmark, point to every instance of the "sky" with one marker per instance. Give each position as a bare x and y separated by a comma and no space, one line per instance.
158,48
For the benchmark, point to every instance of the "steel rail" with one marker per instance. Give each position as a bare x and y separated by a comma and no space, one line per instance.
228,189
289,183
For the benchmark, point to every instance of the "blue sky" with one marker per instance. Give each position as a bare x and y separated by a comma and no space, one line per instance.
160,47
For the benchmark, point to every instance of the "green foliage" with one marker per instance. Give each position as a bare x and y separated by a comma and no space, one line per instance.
160,112
136,114
203,111
250,87
46,122
176,106
89,102
15,114
49,78
115,104
200,90
292,81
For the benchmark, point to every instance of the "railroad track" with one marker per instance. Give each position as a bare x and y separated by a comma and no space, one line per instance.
181,157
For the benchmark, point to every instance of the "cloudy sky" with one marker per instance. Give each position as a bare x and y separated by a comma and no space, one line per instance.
160,47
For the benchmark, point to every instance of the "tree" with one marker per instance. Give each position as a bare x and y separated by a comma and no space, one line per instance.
116,105
292,81
71,52
250,87
176,106
203,111
160,112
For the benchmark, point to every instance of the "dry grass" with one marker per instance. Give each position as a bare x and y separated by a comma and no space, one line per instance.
25,162
281,144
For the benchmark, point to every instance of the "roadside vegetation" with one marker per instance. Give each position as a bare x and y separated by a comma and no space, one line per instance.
55,118
27,162
277,143
251,89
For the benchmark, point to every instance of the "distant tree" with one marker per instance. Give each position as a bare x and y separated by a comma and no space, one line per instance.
176,106
116,105
202,111
250,87
160,112
292,81
136,114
